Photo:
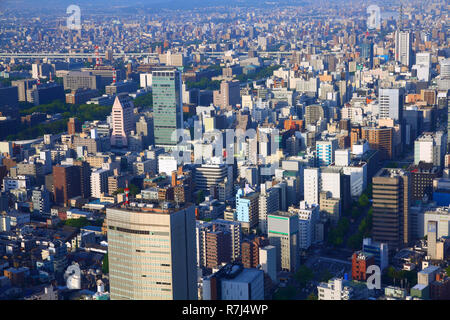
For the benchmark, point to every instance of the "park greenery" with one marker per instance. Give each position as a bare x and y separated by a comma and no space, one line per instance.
83,112
397,277
134,190
144,101
105,264
83,222
286,293
304,275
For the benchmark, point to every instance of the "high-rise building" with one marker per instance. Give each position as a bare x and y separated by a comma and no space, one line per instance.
167,105
151,252
99,182
381,139
430,147
247,203
269,201
41,200
283,234
211,177
74,80
73,126
229,94
403,47
422,176
122,120
66,183
391,205
311,185
391,103
308,217
250,251
325,151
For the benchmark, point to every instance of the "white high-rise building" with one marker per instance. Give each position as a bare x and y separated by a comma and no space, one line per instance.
268,202
311,182
390,103
99,182
308,216
403,47
342,157
430,147
122,120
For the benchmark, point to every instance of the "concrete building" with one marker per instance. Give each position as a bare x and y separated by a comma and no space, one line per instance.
122,120
166,271
233,282
391,204
283,234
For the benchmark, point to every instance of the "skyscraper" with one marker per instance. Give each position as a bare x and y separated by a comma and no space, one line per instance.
167,105
283,234
391,103
151,252
391,203
122,120
66,183
403,47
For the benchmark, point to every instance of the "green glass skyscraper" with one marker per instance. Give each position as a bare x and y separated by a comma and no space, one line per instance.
167,105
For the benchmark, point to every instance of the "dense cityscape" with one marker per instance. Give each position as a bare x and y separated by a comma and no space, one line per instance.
276,150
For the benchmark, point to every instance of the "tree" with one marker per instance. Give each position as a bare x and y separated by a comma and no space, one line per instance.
363,201
312,296
105,264
304,275
200,197
77,223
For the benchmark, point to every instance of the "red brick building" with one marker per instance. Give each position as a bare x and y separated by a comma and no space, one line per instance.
360,262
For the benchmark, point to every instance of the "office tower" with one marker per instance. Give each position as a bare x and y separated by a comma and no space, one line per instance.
9,102
126,86
229,240
391,104
45,93
151,252
313,113
311,187
283,234
167,105
430,148
216,179
381,139
218,248
391,203
41,200
66,183
308,217
360,262
330,205
122,118
22,86
268,261
74,80
228,95
99,182
325,151
367,52
233,282
247,208
250,251
403,47
423,66
422,176
144,127
379,250
73,126
269,201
